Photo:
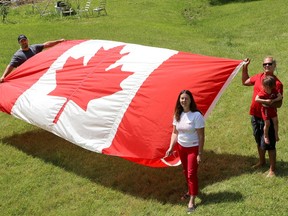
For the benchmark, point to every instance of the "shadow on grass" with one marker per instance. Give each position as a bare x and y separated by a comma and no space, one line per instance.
222,2
166,185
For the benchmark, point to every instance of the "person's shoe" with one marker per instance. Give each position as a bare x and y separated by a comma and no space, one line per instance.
185,196
190,210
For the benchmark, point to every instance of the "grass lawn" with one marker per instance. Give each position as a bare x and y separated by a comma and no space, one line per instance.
41,174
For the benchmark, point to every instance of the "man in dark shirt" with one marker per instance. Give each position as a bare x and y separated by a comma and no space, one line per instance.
26,52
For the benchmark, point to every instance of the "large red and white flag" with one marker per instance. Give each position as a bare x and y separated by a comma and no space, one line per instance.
111,97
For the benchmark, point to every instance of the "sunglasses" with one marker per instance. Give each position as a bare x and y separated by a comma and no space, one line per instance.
267,64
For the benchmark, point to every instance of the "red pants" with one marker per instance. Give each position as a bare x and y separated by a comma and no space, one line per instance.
188,157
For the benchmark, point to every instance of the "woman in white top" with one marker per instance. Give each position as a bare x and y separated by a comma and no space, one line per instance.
188,134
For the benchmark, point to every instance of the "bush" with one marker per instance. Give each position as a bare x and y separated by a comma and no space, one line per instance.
4,9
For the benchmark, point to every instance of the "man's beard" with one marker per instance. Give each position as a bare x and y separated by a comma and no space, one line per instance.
25,46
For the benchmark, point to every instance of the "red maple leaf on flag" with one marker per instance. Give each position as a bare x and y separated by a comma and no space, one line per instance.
82,83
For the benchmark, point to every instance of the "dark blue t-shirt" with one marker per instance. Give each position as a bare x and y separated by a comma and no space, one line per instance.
21,56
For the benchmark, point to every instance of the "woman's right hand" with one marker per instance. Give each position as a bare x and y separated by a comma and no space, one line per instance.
169,152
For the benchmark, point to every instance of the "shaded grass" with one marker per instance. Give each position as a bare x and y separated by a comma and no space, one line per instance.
99,168
81,181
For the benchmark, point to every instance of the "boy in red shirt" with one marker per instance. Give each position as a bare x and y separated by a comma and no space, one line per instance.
269,94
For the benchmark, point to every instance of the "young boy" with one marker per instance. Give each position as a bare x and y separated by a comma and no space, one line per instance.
269,95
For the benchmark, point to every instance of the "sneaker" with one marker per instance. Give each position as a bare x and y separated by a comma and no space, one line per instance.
190,210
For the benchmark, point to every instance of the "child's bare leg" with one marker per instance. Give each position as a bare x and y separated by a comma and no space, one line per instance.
275,122
266,130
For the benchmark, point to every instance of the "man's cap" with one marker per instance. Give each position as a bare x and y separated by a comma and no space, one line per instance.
21,37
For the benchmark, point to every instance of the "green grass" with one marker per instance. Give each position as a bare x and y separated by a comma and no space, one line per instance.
41,174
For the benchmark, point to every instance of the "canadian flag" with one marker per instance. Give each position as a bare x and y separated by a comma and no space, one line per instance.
111,97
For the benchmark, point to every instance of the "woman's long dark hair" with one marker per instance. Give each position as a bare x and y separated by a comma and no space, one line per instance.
179,108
